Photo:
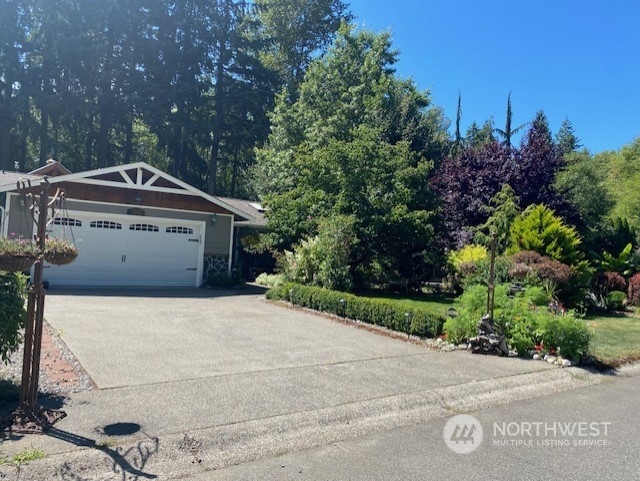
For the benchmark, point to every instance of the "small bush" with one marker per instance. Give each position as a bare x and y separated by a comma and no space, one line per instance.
538,295
13,292
616,300
469,254
270,280
380,312
566,335
526,263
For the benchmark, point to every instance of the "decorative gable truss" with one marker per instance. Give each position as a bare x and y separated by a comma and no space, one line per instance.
142,177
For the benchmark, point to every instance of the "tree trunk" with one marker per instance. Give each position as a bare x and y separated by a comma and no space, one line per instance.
44,137
128,142
219,101
234,172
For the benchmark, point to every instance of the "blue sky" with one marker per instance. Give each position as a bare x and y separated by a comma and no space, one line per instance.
574,58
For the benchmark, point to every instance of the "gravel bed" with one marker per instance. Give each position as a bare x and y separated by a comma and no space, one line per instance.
48,384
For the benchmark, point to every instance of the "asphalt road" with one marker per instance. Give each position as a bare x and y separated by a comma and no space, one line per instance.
420,453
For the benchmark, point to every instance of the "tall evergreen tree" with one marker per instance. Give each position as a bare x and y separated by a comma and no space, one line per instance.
566,139
508,131
538,162
296,31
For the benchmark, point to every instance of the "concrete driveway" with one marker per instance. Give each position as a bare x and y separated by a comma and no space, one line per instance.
214,378
141,337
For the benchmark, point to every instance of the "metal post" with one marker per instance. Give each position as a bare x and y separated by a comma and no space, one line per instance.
491,287
30,417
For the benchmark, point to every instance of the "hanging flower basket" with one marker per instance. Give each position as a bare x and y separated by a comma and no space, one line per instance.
59,252
16,254
16,263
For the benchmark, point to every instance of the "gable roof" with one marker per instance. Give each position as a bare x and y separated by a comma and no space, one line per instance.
252,208
52,167
140,176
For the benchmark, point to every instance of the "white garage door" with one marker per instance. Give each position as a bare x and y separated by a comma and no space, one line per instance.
124,250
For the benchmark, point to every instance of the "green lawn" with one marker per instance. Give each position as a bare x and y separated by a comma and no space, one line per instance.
436,304
616,338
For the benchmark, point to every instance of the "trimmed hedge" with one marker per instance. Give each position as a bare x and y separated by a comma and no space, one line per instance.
379,312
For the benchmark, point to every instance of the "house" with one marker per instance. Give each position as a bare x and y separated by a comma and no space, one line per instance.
133,225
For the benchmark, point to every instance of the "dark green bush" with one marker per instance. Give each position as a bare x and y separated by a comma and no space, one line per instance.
13,291
379,312
224,280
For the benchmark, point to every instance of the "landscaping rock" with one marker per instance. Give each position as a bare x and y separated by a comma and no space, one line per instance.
550,359
536,357
566,363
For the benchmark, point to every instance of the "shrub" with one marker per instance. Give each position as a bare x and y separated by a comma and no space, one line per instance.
13,289
566,335
524,325
469,254
538,295
379,312
539,229
606,282
634,290
527,262
323,260
616,301
270,280
224,280
480,274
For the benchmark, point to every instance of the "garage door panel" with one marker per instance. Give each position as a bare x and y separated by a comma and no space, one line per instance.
128,251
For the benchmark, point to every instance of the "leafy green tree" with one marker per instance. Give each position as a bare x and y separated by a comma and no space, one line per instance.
581,183
622,181
538,229
343,148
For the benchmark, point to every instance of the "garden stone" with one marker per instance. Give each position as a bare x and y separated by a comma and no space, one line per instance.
536,357
566,363
550,359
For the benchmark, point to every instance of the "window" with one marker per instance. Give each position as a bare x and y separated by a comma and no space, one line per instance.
105,224
144,227
179,230
67,221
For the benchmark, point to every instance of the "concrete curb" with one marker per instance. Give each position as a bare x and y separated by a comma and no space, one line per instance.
182,454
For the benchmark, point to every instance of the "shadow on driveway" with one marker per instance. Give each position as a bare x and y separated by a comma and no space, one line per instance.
158,292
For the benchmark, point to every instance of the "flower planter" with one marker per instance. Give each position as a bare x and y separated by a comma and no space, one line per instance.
16,263
60,258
